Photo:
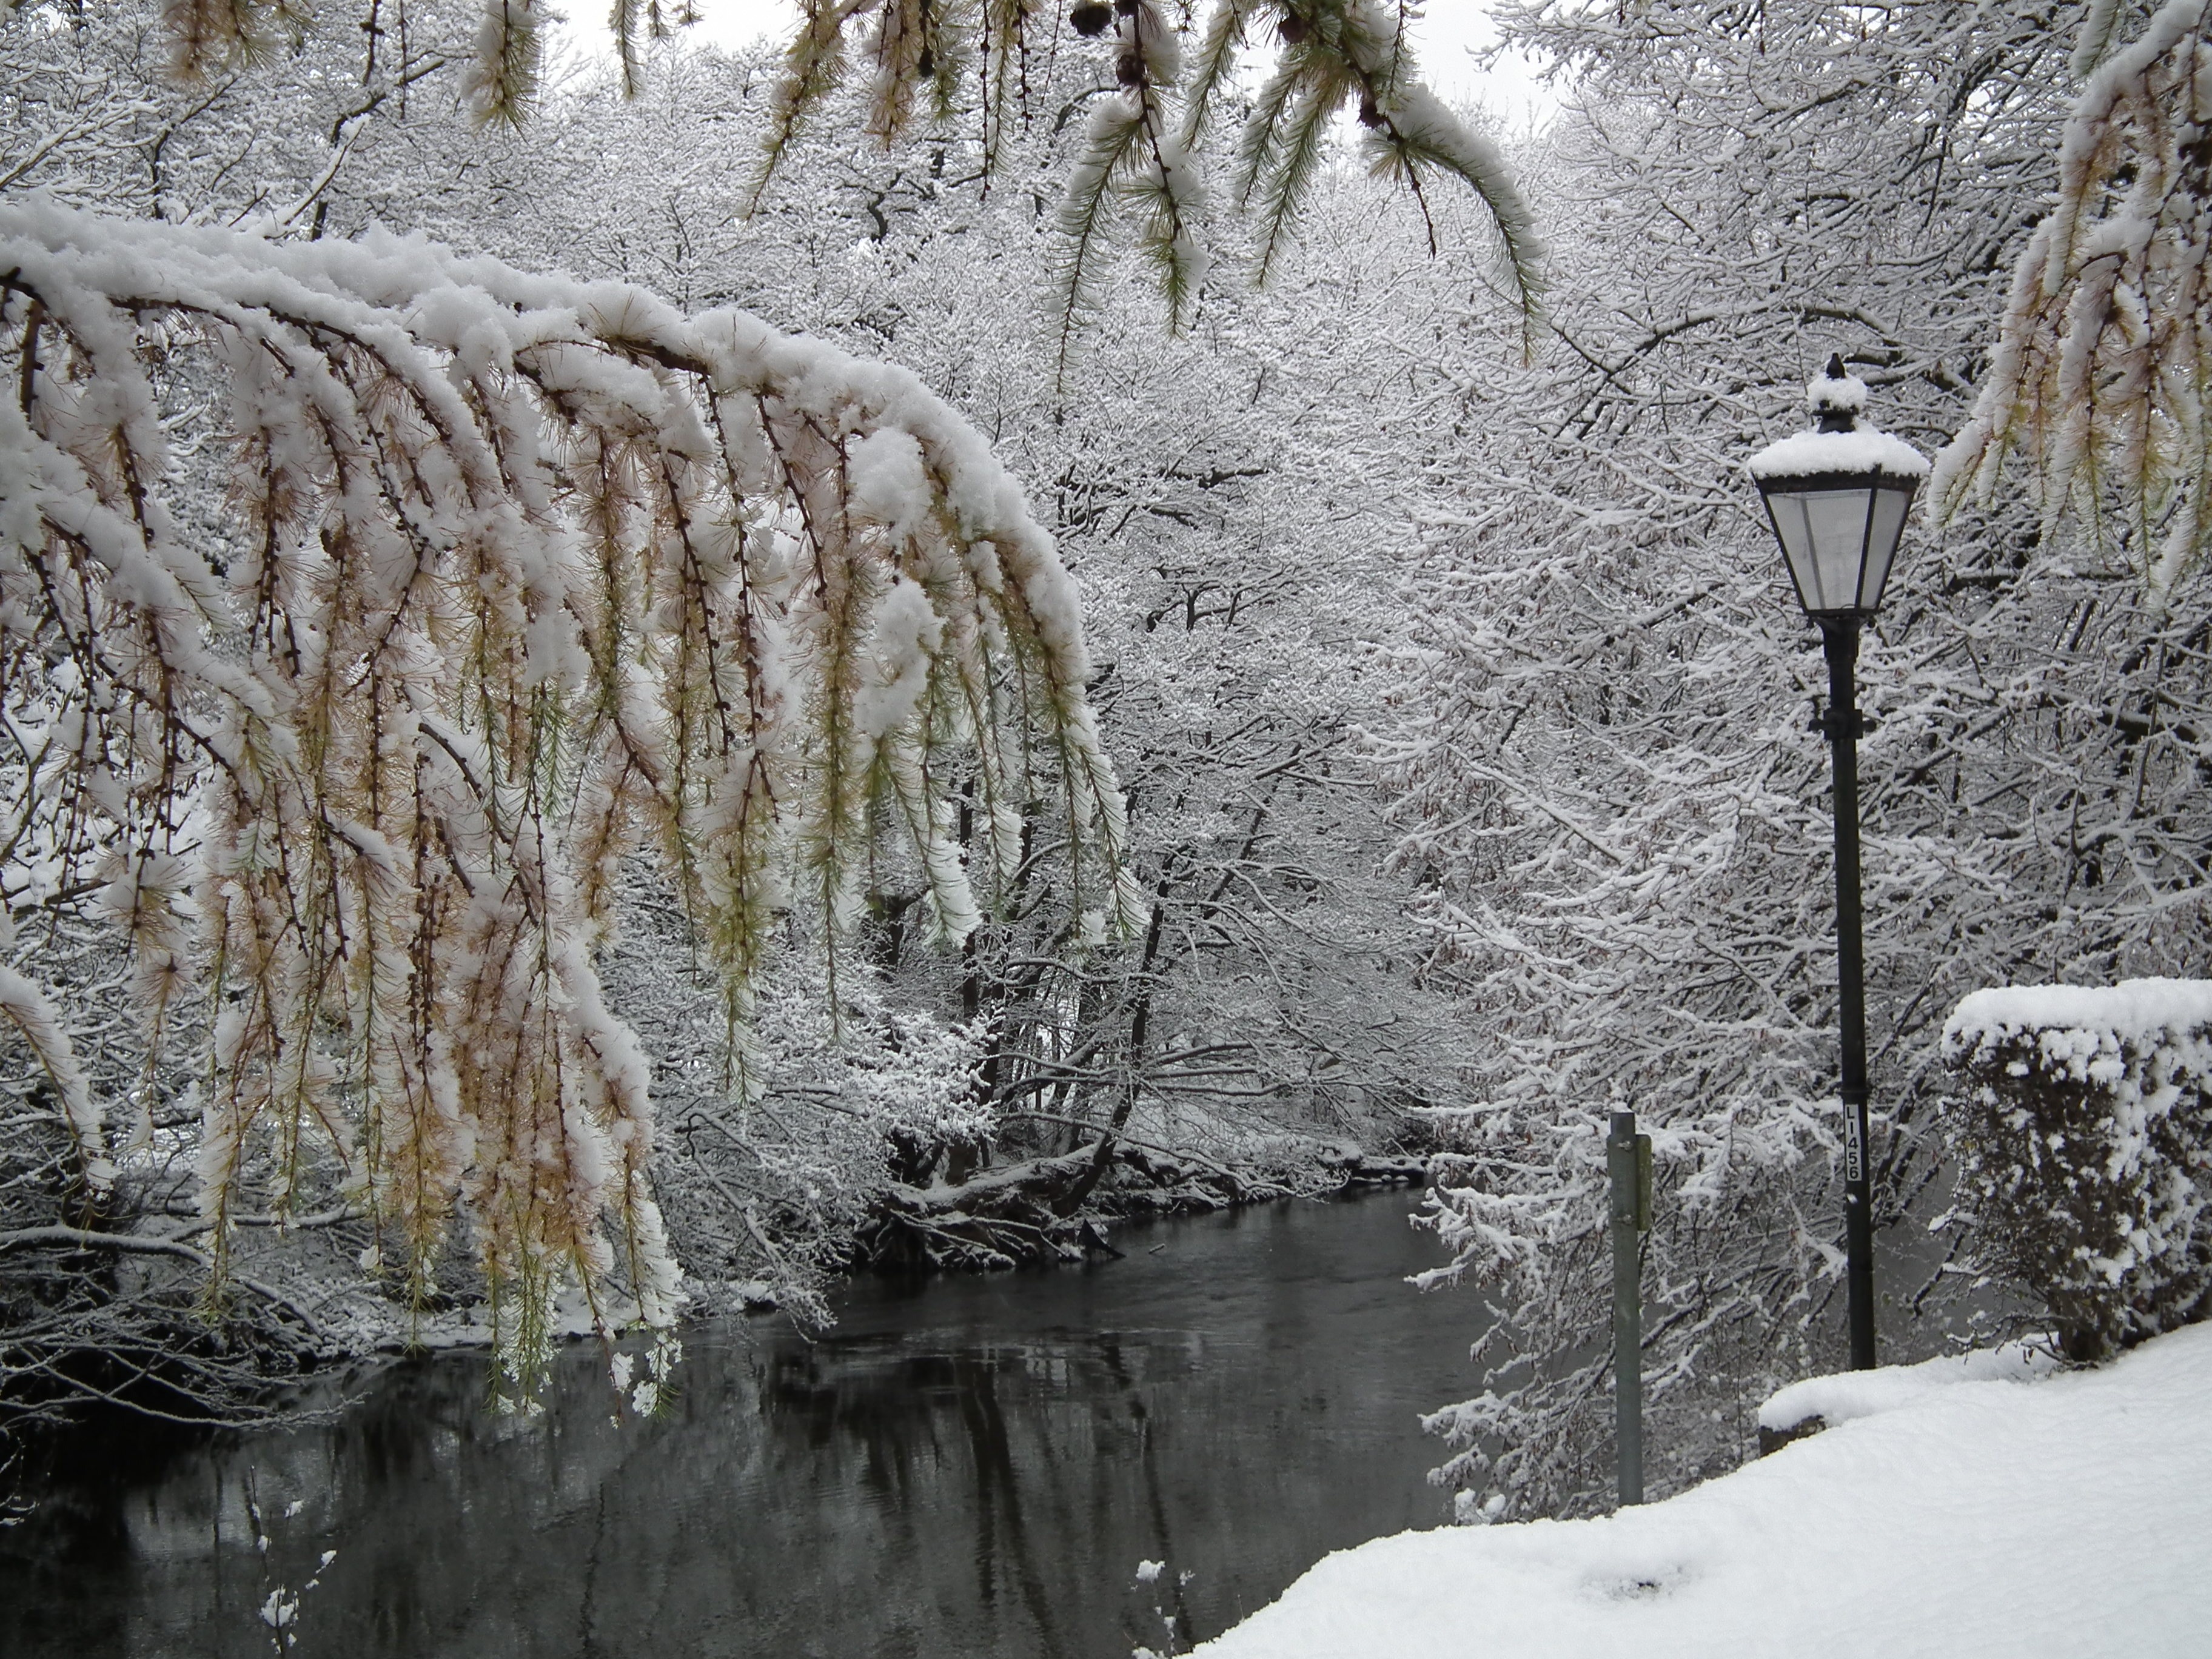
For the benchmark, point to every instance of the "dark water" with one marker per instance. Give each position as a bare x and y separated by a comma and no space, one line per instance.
963,1469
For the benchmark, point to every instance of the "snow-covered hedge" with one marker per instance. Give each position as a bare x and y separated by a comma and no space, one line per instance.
2083,1134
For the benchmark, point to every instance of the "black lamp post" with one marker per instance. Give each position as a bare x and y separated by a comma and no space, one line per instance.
1838,497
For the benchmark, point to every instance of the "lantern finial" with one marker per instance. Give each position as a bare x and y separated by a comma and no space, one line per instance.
1835,395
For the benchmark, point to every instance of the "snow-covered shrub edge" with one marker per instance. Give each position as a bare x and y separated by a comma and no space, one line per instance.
2083,1136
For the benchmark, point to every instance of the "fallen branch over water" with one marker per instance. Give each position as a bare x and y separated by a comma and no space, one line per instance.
1050,1209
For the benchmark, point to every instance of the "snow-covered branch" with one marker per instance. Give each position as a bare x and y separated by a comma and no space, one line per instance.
516,577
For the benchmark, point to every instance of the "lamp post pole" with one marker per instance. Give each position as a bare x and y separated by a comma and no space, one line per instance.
1839,639
1837,497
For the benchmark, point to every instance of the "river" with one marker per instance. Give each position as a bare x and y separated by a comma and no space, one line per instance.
962,1469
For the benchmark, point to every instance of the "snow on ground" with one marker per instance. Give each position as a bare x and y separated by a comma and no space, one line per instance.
1847,1395
2066,1515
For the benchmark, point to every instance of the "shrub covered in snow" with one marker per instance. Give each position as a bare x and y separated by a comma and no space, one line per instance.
2084,1140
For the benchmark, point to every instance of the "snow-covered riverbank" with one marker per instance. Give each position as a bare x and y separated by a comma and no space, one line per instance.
2057,1515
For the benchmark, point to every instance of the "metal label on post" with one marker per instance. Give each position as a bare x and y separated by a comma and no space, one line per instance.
1644,1183
1854,1142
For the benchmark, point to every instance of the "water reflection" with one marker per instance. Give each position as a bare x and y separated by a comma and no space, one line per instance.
963,1468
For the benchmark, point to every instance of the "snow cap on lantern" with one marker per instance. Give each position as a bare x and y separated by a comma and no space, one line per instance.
1837,497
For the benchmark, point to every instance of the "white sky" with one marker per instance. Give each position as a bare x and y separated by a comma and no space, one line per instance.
1443,40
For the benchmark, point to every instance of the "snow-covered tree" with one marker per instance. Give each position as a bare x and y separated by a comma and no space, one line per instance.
1212,509
1263,990
920,63
367,608
2105,350
1603,765
916,60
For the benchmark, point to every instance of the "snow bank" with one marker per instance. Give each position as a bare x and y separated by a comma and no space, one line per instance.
2067,1516
1848,1394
